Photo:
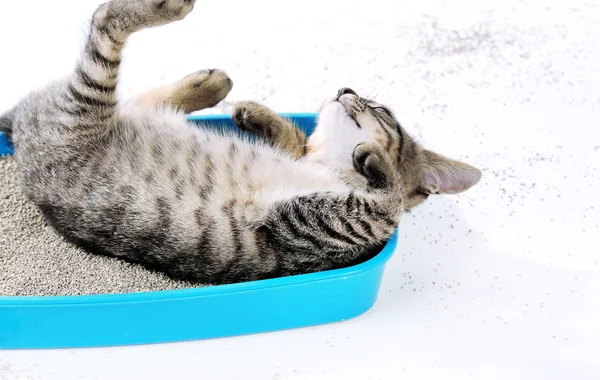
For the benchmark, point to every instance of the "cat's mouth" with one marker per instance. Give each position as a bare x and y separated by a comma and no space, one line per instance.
347,98
346,91
340,107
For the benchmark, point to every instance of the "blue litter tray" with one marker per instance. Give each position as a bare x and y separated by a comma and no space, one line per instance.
193,314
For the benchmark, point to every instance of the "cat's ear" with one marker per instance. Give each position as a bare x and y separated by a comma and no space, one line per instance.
443,175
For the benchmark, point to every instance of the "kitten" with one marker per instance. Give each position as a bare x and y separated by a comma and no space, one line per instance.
139,182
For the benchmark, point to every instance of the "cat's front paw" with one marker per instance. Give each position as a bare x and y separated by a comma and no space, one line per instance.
202,89
254,118
370,161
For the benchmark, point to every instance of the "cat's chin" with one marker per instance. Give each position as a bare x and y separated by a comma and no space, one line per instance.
333,114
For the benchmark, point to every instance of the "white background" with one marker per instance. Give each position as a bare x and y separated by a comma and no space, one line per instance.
501,282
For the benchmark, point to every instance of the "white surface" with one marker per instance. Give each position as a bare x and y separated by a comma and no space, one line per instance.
499,283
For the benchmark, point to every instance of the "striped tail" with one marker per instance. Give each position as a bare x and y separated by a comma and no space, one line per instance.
6,123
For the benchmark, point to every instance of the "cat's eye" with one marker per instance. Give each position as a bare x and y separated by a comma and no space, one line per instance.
384,110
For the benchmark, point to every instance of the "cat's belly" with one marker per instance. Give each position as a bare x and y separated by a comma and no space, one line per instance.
255,172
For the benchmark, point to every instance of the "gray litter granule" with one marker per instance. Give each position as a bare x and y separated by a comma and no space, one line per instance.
36,261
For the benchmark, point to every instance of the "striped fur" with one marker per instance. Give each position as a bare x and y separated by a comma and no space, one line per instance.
137,181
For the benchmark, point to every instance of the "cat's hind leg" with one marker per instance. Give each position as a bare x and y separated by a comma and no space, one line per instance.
195,92
90,94
279,132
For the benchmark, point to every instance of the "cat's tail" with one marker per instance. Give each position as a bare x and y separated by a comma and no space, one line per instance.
6,123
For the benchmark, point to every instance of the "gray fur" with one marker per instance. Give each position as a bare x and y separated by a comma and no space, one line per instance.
143,184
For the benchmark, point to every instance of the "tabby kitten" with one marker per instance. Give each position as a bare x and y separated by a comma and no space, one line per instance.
139,182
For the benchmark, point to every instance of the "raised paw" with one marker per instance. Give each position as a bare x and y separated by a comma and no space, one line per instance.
202,89
166,11
254,118
128,16
374,165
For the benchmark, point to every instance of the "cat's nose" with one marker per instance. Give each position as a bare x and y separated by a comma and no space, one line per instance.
345,90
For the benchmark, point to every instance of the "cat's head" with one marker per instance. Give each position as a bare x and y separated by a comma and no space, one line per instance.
347,120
